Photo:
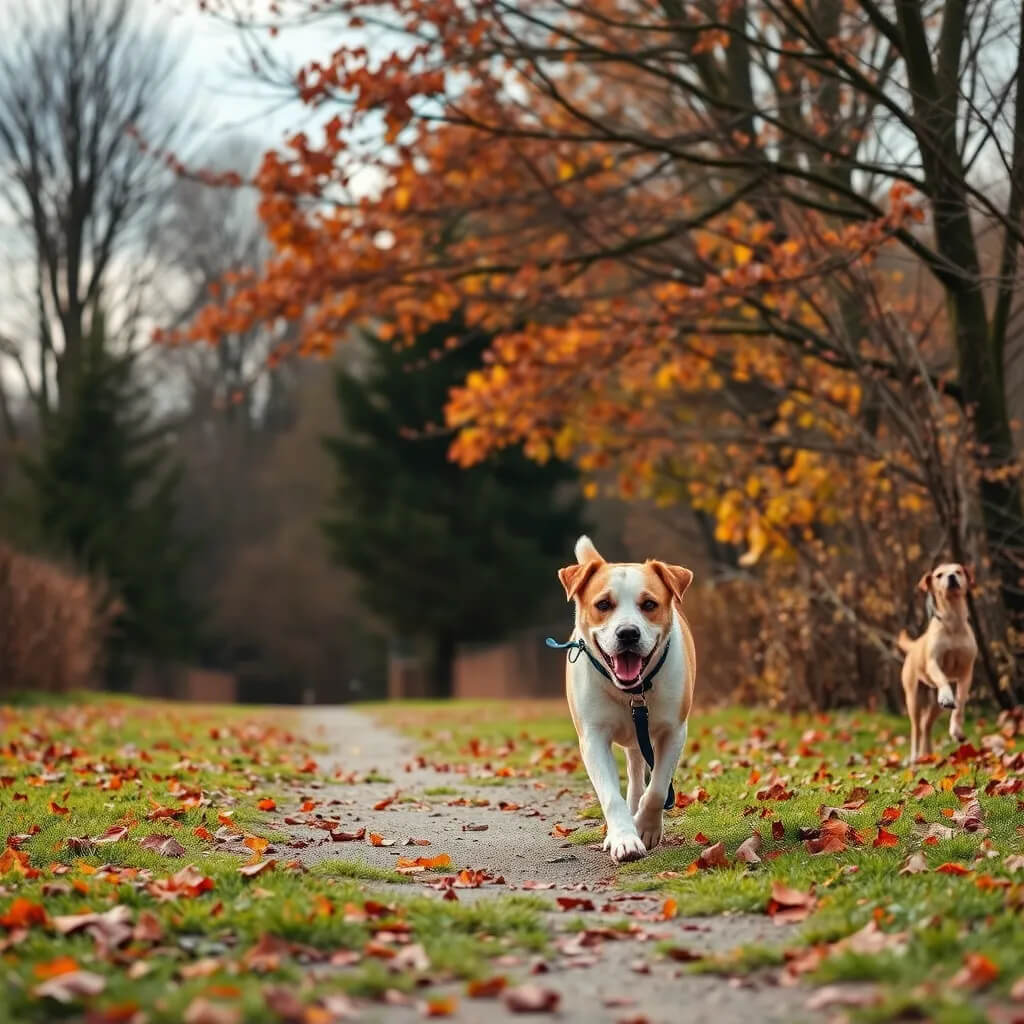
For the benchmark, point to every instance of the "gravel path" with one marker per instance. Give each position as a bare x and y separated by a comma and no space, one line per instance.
598,979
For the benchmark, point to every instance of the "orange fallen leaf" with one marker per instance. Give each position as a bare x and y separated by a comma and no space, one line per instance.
977,972
55,808
486,988
442,860
952,868
443,1006
266,804
23,913
669,909
891,814
54,968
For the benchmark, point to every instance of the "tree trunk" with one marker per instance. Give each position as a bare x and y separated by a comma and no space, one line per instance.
443,674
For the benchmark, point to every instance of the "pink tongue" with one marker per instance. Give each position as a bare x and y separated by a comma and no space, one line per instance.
627,666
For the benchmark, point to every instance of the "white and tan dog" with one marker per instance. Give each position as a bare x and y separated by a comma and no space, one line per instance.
630,618
939,664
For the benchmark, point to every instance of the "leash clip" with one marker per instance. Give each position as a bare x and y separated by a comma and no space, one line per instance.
638,700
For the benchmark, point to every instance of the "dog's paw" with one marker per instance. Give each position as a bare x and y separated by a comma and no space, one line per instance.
649,826
947,699
957,734
624,846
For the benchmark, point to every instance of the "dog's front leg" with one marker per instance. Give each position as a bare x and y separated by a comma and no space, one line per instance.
947,699
668,747
622,840
635,767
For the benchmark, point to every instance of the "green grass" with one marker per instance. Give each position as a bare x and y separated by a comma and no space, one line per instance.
733,755
112,762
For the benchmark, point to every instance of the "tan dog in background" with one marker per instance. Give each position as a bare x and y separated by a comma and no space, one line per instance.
630,619
939,664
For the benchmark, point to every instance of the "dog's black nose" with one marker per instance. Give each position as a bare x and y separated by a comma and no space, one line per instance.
627,635
954,581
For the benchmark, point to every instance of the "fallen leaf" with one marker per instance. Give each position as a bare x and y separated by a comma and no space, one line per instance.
952,868
442,1006
204,1011
532,999
474,828
486,988
538,885
891,814
54,968
378,840
166,846
778,830
886,838
442,860
266,804
669,909
114,834
915,864
348,837
923,788
23,913
977,972
574,903
748,850
252,870
66,988
787,905
713,857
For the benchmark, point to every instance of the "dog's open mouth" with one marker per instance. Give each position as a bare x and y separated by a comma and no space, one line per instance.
626,666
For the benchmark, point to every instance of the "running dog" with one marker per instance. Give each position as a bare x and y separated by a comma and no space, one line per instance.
634,686
939,664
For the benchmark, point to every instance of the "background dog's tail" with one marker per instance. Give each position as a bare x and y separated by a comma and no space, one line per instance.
904,641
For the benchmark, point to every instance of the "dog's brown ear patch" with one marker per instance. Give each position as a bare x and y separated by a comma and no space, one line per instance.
969,573
574,577
675,577
925,583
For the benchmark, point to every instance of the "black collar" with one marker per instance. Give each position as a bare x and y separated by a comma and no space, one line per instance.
580,647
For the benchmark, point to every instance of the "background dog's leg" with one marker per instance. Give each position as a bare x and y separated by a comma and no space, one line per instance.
956,720
910,689
929,711
622,841
668,747
635,766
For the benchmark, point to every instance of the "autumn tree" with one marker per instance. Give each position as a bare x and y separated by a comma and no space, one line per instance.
757,257
81,83
442,555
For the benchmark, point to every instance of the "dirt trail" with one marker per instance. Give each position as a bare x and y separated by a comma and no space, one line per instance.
599,982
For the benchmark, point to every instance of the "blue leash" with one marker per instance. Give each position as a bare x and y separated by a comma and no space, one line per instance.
640,719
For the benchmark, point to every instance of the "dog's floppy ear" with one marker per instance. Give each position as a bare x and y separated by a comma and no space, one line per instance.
574,577
675,577
925,583
969,573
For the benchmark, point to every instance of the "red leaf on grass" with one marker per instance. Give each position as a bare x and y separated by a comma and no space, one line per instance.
114,834
252,870
952,868
886,838
266,804
891,814
23,913
713,857
574,903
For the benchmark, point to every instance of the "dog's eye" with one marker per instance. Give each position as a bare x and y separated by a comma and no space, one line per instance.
648,605
604,605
